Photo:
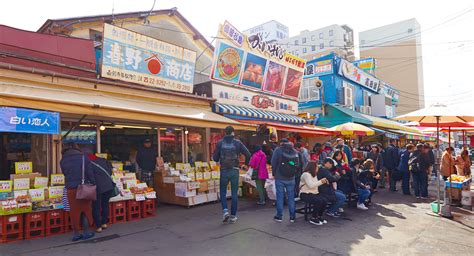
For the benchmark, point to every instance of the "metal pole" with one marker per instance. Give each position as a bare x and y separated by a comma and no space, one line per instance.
437,169
446,210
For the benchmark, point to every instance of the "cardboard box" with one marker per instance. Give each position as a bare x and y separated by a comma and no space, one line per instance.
203,187
194,185
215,175
206,175
212,197
185,193
200,199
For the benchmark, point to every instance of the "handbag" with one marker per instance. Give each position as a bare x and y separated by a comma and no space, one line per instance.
86,191
116,190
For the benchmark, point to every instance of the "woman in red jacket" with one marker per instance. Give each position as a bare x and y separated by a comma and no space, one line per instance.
258,162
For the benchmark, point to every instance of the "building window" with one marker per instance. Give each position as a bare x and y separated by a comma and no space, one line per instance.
321,46
303,40
410,30
331,43
331,32
297,52
304,50
321,36
309,91
296,42
313,37
313,48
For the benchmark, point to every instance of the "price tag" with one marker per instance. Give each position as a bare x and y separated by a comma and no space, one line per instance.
55,192
21,184
187,166
140,197
57,179
41,182
150,195
20,193
142,185
6,185
179,166
23,167
102,155
36,195
130,176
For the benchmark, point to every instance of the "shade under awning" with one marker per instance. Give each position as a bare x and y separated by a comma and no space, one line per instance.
304,129
113,106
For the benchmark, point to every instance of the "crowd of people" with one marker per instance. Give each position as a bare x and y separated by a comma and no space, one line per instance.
328,175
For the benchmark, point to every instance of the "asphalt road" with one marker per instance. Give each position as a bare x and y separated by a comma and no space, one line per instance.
395,225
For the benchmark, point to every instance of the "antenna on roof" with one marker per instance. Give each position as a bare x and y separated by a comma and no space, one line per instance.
113,8
146,17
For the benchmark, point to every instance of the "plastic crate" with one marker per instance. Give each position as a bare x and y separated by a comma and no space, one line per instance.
55,222
148,208
11,228
35,225
134,211
119,212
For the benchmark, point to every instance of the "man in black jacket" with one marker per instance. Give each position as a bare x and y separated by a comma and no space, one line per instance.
146,160
419,165
391,160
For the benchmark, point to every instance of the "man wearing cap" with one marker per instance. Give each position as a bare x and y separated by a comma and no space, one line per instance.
227,154
146,160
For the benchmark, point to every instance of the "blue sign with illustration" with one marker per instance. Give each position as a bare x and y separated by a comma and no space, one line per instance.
28,121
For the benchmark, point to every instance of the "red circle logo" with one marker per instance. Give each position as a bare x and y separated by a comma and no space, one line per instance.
154,66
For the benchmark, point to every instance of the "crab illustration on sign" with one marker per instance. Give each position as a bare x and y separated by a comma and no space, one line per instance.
154,64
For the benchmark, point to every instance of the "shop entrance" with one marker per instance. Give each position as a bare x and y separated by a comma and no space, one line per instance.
23,147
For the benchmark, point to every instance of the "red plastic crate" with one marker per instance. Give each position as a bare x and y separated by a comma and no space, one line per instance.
134,211
11,228
54,222
34,225
110,213
119,212
148,208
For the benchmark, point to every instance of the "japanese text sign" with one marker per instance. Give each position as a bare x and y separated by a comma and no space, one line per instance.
319,68
28,121
23,167
21,184
255,64
40,182
357,75
136,58
365,64
57,179
6,185
55,192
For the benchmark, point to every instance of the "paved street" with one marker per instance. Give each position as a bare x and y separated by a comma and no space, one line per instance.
395,225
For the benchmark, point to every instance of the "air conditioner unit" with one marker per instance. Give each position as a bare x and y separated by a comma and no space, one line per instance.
368,110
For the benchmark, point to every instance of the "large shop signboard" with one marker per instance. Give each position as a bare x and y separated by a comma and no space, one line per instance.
251,63
250,99
357,75
318,68
136,58
28,121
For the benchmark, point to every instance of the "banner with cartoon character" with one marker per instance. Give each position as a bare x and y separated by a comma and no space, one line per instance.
252,63
136,58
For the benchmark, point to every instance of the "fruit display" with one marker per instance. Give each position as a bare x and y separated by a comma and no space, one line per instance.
457,178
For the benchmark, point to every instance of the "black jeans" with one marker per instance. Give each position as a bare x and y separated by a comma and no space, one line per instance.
318,200
100,209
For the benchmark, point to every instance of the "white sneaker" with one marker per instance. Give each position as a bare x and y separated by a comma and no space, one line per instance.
340,210
362,207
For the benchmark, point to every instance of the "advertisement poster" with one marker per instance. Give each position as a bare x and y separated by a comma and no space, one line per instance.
357,75
228,63
254,64
293,83
274,79
136,58
254,71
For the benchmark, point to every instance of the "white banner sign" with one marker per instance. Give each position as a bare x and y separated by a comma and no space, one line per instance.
357,75
250,99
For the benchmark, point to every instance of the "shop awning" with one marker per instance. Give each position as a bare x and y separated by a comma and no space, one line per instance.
304,129
122,107
390,124
337,114
256,114
414,136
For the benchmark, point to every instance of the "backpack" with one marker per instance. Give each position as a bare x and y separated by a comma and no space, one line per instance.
289,164
414,163
229,156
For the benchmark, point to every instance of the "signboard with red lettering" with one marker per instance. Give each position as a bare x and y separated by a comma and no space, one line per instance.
253,64
252,99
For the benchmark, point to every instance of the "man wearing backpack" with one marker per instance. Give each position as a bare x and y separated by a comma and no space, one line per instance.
227,154
418,165
285,165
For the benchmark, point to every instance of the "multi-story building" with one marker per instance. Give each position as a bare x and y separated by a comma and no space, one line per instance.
314,44
398,54
271,31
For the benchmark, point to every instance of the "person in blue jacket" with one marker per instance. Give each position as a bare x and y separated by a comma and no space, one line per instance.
403,168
